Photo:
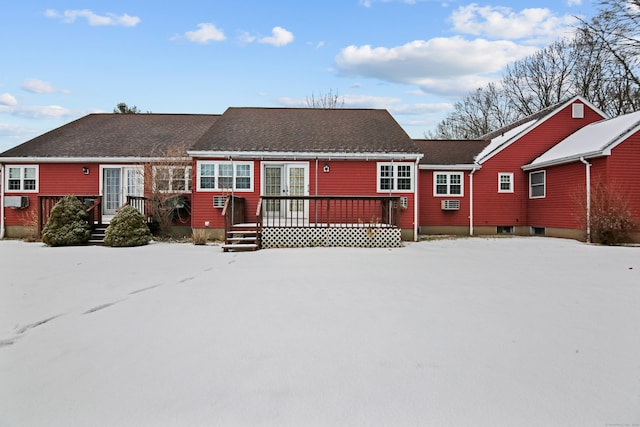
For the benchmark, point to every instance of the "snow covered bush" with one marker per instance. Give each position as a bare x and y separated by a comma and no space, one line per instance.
68,223
127,228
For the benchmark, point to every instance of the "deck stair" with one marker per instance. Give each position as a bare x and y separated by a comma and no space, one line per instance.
242,237
97,235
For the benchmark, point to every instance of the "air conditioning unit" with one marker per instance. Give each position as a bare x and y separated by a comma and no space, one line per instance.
219,201
16,202
450,205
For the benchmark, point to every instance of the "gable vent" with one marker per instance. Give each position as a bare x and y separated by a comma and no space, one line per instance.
450,205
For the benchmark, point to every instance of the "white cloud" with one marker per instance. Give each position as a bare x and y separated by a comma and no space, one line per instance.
37,111
574,2
40,86
93,19
246,37
425,62
205,33
279,37
8,99
534,24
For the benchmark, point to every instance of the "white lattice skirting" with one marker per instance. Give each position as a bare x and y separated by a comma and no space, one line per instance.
362,237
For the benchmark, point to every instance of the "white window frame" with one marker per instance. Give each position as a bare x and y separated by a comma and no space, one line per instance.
186,179
508,175
543,185
448,184
22,178
216,175
395,179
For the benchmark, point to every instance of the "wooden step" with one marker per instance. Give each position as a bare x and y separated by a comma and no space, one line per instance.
240,247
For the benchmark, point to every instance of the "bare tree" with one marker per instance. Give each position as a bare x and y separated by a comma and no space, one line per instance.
600,62
327,101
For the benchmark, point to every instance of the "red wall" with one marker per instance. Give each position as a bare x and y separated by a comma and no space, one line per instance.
345,178
55,179
511,209
431,213
624,172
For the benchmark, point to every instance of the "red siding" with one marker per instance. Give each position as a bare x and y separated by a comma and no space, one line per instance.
431,213
564,203
511,209
345,178
624,171
55,179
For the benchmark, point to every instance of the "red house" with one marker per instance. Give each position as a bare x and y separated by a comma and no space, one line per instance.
480,187
305,176
598,164
275,177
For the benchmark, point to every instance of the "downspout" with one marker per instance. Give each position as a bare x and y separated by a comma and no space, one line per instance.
471,199
588,189
2,180
416,211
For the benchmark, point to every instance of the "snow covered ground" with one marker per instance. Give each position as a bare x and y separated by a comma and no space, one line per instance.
468,332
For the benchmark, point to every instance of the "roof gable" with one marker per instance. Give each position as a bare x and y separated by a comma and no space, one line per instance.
305,130
596,139
117,135
502,138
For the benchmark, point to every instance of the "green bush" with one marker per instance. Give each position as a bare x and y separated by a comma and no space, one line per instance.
67,224
127,228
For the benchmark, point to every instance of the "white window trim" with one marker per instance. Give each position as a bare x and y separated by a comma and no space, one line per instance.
394,178
187,175
22,168
500,175
449,174
544,185
224,162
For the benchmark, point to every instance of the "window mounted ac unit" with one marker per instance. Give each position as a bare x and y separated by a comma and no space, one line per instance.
219,201
16,202
450,205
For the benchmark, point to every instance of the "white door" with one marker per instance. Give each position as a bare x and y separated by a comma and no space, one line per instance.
288,179
118,182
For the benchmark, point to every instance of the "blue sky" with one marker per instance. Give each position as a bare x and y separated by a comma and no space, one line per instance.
61,60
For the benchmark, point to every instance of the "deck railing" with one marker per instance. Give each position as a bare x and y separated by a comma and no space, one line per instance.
328,211
46,203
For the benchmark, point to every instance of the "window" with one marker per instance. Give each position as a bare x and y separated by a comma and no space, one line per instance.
505,182
22,178
225,176
395,177
536,184
172,179
447,184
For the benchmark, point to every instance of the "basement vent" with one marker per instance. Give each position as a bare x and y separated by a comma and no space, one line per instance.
218,201
450,205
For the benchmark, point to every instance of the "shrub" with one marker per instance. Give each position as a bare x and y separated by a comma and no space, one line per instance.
611,218
127,228
199,236
67,224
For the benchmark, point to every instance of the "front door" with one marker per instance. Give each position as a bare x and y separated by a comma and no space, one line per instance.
118,182
288,179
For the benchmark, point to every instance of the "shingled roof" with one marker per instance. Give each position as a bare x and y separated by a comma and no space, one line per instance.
450,152
117,135
305,130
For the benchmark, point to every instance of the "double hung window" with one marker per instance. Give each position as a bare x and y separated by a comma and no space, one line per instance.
224,176
448,184
395,177
22,178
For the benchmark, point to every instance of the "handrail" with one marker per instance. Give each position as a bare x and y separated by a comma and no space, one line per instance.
329,210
